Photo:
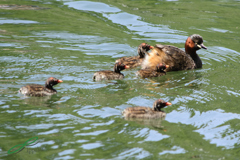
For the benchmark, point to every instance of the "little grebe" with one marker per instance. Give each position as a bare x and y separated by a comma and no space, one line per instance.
135,61
146,112
111,75
176,58
159,71
39,90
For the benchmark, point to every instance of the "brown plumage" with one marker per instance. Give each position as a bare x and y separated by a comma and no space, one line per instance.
110,75
159,71
135,61
176,58
146,112
39,90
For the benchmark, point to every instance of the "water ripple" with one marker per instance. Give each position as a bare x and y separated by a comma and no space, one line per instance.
15,21
174,150
89,146
66,152
209,124
88,44
104,112
220,54
159,33
95,133
137,153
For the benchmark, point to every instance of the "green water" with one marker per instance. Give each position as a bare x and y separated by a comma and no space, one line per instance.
71,40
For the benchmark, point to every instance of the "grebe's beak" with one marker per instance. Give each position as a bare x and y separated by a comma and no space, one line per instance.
201,46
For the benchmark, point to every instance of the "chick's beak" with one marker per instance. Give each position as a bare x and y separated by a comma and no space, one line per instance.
126,67
168,103
59,81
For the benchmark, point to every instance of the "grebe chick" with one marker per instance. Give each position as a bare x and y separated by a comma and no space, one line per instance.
110,75
39,90
146,112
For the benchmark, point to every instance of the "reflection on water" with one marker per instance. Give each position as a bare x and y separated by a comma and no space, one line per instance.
47,101
149,122
222,54
83,120
90,45
159,33
20,7
13,21
210,125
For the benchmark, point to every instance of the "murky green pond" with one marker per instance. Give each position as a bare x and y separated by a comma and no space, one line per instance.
71,40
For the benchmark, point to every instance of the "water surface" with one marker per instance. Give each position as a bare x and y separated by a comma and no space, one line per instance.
71,40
